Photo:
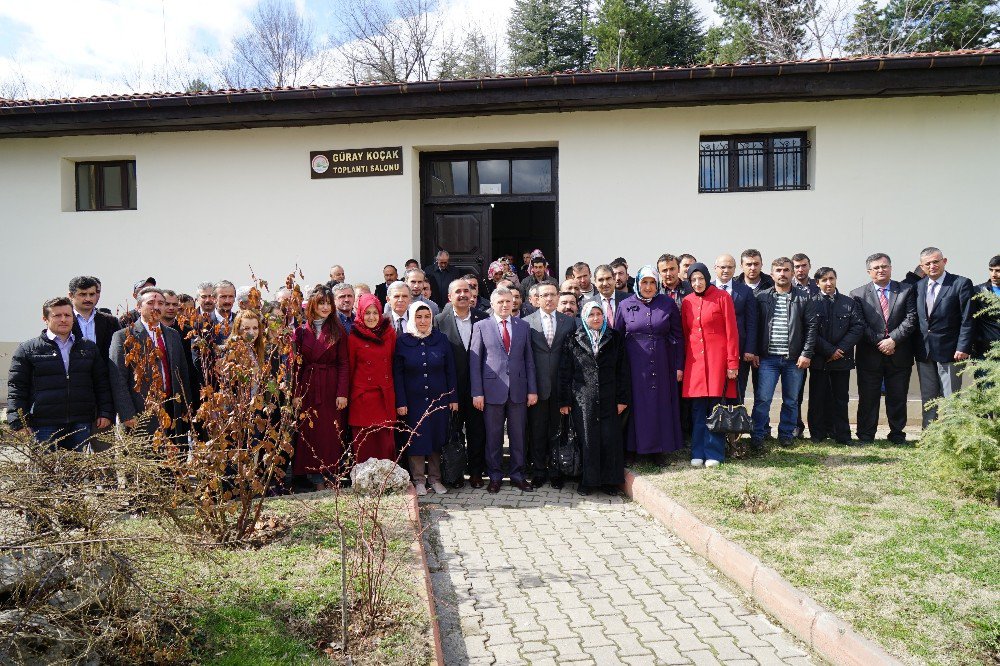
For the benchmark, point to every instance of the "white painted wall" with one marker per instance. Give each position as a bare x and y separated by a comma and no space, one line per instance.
892,175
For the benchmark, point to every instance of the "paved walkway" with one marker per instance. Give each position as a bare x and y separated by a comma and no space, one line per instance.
552,577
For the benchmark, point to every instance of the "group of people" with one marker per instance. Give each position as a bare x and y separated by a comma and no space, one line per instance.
636,363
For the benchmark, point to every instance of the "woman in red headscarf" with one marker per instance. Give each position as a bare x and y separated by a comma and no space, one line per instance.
370,347
321,352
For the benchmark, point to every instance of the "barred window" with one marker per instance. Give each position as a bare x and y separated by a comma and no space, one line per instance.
752,163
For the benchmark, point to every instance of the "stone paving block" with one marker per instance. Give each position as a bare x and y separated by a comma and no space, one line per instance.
761,625
702,658
687,640
475,646
745,637
629,645
499,634
724,617
725,647
507,654
782,647
706,627
671,620
666,653
641,661
614,625
556,629
648,631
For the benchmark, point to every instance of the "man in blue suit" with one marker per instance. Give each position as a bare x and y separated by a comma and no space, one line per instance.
502,370
946,329
746,316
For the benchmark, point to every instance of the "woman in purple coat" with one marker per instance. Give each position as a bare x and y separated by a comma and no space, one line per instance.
654,346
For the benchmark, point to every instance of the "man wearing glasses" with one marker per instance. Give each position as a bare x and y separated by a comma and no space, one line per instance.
885,352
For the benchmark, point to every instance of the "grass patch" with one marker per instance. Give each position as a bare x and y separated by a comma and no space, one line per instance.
870,532
280,604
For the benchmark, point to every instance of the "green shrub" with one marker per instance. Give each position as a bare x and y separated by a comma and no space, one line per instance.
965,439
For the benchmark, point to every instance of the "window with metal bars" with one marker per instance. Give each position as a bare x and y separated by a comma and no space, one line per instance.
753,162
105,185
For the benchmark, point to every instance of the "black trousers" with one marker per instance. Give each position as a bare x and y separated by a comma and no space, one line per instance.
746,370
806,379
543,425
687,422
475,437
897,383
828,397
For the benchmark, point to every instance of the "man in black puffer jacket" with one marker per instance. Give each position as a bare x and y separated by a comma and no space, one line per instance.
58,383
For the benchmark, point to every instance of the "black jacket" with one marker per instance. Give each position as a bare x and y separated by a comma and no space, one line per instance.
838,326
105,326
801,323
948,327
987,327
439,281
445,322
900,327
766,282
39,386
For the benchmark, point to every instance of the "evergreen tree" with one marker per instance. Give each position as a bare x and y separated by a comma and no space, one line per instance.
549,35
761,30
924,25
476,56
681,29
574,50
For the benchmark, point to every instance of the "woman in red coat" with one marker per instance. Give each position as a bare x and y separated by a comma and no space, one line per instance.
711,360
370,346
321,352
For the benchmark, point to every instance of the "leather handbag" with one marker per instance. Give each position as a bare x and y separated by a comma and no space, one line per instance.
454,456
729,418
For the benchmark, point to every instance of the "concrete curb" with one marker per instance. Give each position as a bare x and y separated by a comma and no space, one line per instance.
825,633
413,509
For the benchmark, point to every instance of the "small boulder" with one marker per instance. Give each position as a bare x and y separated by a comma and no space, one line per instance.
368,477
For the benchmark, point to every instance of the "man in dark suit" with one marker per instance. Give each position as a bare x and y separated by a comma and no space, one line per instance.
944,315
439,275
502,371
160,349
456,321
753,275
746,316
549,330
671,284
884,355
623,281
839,327
801,267
88,322
987,325
390,275
608,296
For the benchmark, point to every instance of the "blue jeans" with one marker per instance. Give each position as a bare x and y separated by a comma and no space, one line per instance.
705,444
72,437
773,368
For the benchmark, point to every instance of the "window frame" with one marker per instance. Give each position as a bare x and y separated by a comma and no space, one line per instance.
428,158
732,156
127,167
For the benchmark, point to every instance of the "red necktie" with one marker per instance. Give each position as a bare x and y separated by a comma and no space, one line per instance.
611,312
164,363
506,336
884,302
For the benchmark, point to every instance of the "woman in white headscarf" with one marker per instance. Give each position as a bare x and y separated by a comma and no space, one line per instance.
424,376
594,388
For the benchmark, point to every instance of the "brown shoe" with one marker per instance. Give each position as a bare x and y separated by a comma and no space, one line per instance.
523,485
493,488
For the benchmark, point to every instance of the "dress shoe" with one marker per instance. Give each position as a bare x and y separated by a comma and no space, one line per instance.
556,482
658,459
629,458
844,441
458,484
493,488
476,482
523,485
439,488
786,441
582,490
898,439
757,445
538,481
611,490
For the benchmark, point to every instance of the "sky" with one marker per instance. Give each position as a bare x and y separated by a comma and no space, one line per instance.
57,48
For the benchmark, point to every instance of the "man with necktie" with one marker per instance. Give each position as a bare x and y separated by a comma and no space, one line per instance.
549,330
502,373
944,315
746,316
884,355
608,295
987,325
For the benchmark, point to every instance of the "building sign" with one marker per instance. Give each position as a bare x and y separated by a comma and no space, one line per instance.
356,162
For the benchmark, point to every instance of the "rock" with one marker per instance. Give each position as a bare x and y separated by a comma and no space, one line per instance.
30,569
32,640
367,477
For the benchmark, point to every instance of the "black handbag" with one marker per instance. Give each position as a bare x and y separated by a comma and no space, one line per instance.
728,418
566,457
454,455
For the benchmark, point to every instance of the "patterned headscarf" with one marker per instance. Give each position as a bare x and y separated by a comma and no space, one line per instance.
495,271
595,336
646,271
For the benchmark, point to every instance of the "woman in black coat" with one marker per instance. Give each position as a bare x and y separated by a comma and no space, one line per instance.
595,387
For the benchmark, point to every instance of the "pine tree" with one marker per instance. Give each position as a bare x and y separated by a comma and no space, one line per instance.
574,49
924,25
680,25
762,30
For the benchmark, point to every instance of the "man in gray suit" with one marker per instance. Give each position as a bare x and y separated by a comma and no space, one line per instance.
549,330
502,373
161,348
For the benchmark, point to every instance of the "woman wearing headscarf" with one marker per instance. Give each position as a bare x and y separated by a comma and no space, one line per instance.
595,388
654,347
712,360
321,355
424,376
370,347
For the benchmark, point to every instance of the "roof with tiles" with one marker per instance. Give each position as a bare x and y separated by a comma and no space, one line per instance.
962,58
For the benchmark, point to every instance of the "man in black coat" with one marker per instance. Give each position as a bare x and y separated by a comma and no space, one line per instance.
987,325
839,327
156,344
439,275
456,322
390,275
944,315
885,352
58,382
549,330
89,323
746,316
753,276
